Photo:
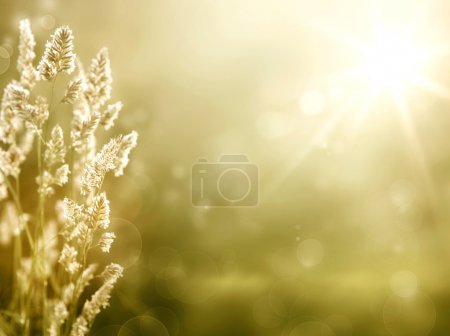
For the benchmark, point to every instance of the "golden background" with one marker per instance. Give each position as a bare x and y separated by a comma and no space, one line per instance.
351,234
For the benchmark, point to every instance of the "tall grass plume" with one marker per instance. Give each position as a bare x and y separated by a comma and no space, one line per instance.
51,240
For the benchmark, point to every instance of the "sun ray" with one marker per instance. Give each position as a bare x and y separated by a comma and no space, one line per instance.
360,117
415,149
334,35
394,59
295,161
433,87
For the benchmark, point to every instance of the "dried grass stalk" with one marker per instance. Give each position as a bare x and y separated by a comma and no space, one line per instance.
50,260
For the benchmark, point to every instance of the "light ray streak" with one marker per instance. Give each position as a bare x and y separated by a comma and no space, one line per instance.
433,87
323,133
416,151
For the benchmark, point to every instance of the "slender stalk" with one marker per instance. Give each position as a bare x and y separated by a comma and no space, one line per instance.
17,256
86,247
42,214
19,210
72,175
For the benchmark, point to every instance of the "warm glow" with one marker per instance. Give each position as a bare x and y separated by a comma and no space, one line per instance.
393,60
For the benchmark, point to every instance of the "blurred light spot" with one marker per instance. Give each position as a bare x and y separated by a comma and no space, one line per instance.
281,297
160,259
168,317
310,252
108,330
228,141
48,4
129,201
137,117
312,102
191,277
282,260
404,283
235,281
127,246
8,45
312,329
47,21
398,248
146,184
143,325
403,194
336,95
273,125
322,182
4,60
178,172
264,315
302,303
389,250
199,217
413,316
171,196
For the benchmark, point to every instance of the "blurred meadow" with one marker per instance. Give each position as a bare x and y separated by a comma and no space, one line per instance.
344,106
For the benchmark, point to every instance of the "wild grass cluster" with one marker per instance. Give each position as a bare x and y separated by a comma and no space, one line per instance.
56,286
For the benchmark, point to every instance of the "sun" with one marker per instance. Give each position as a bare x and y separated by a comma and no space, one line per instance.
389,63
393,61
385,63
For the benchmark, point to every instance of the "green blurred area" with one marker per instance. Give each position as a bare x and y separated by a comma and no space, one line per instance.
348,224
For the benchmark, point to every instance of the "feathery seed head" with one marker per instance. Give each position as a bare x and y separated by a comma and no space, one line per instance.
73,91
61,175
99,212
28,74
11,223
82,223
36,115
68,259
26,142
58,55
85,278
100,299
103,162
15,99
73,213
10,161
83,128
80,327
106,241
44,182
99,80
48,180
81,233
128,142
67,292
56,151
26,46
112,273
110,114
60,312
